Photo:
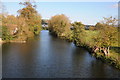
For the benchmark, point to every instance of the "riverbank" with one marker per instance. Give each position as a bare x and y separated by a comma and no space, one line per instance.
112,59
12,41
50,57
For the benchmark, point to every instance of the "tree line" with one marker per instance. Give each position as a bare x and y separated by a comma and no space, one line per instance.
98,38
28,24
23,26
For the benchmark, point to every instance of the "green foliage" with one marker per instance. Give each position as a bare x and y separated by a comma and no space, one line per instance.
37,29
103,35
108,34
59,25
5,34
83,37
77,31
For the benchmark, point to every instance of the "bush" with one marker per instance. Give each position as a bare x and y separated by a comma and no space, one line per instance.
10,23
59,25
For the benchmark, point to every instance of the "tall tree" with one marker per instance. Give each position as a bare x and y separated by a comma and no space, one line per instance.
31,16
108,34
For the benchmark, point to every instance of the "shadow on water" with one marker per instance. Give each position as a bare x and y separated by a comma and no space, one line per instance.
49,57
90,67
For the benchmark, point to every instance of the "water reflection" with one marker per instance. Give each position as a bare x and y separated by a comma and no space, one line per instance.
50,57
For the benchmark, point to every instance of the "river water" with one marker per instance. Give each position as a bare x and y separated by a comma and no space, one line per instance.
50,57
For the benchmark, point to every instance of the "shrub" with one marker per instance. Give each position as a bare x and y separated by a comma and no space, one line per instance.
59,25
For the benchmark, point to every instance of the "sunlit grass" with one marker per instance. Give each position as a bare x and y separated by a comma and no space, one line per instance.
114,54
88,37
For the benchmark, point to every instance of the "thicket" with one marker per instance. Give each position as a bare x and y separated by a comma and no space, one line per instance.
21,27
59,25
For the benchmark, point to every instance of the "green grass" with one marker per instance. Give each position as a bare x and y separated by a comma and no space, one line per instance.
114,54
87,39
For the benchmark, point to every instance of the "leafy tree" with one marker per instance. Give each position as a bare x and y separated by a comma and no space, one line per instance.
10,23
31,16
108,34
27,24
99,26
78,31
5,34
59,25
109,21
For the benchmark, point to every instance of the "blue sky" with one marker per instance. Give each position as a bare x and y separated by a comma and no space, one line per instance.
86,12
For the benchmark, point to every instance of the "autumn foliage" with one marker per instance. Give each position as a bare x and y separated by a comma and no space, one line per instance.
21,27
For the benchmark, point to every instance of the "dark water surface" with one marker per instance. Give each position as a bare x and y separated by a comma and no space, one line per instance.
49,57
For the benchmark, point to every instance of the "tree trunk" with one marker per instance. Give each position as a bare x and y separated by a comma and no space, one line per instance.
108,50
105,51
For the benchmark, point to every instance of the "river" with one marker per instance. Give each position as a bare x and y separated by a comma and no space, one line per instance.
49,57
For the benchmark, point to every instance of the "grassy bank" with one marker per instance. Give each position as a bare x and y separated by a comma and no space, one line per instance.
97,39
112,59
